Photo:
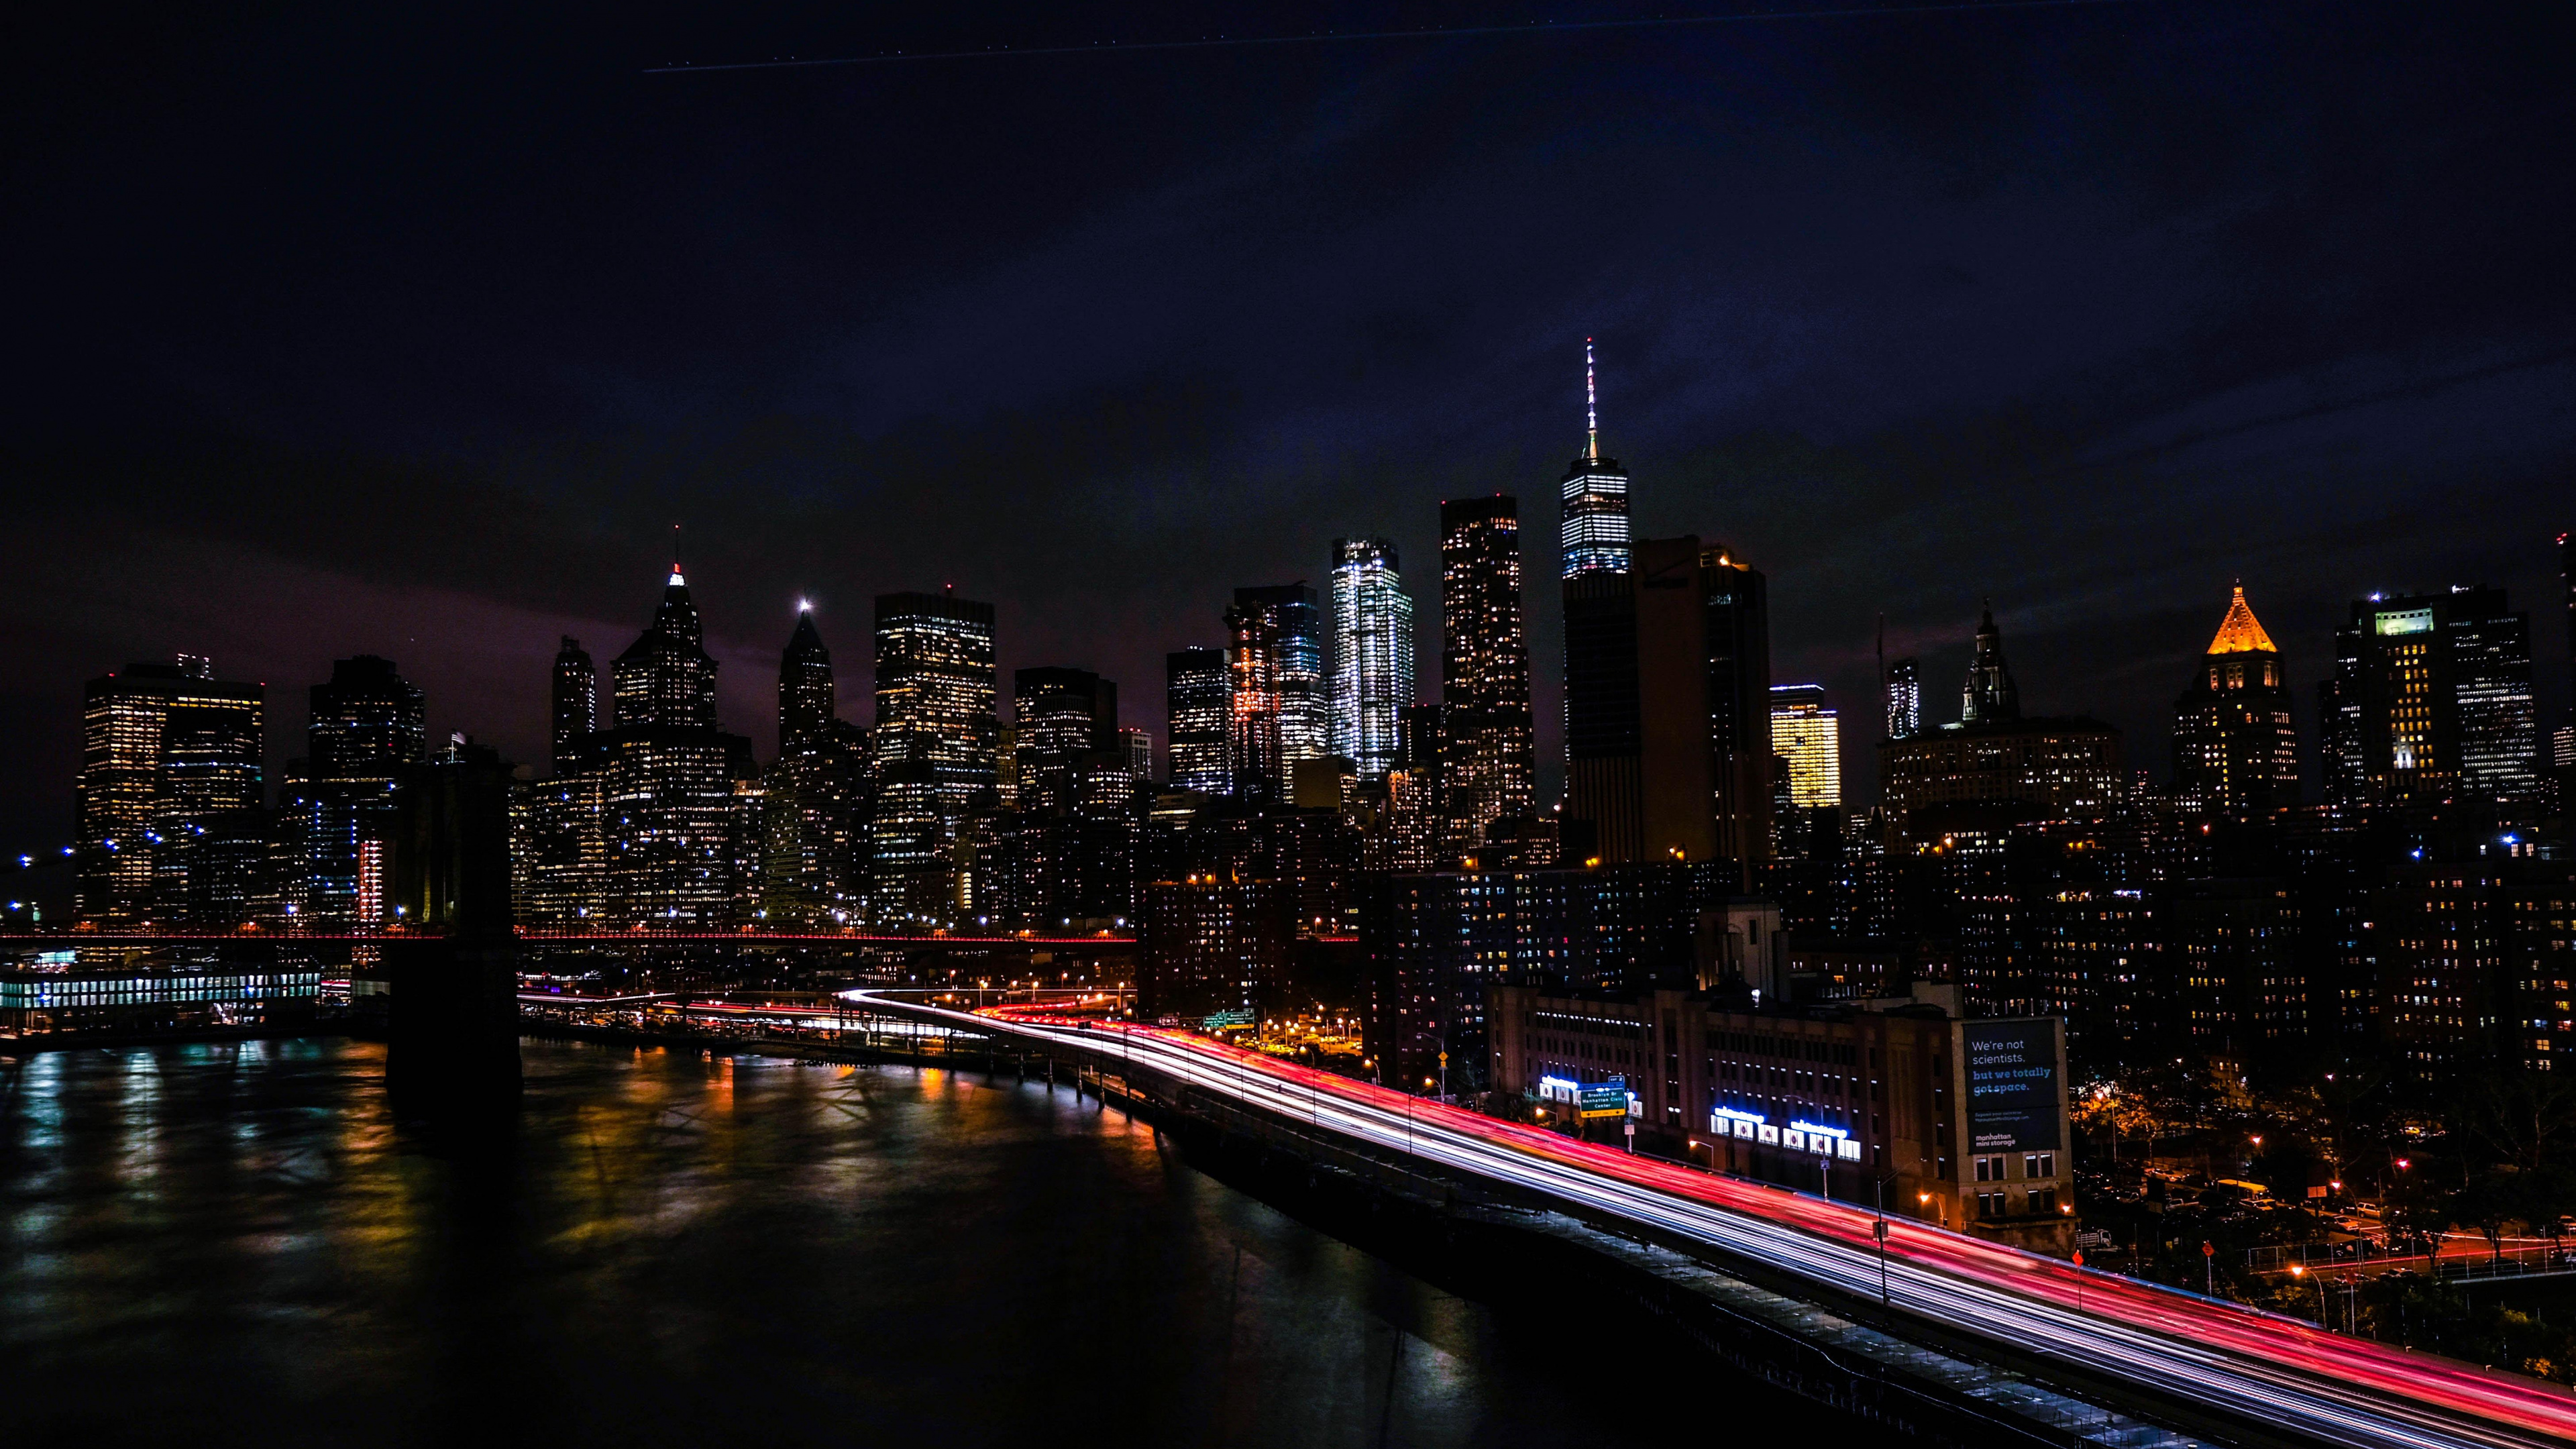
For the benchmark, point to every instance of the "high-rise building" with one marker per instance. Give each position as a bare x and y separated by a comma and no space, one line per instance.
1198,704
366,726
2430,700
1904,699
1136,750
666,677
1604,791
2235,750
1668,706
1990,694
1806,732
1489,770
657,820
815,798
1252,743
1299,672
1704,702
1372,656
576,700
1592,531
2008,766
935,742
165,749
807,696
1060,716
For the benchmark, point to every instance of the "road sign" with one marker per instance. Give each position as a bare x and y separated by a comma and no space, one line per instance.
1605,1099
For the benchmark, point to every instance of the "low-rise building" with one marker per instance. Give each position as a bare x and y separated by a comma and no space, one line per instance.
1902,1101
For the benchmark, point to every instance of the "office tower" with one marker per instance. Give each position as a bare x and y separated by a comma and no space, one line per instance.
2235,750
1198,700
1488,770
1904,699
2008,766
2431,699
1296,669
666,677
814,799
1136,749
1593,529
1990,694
1252,743
576,700
365,727
1372,656
1603,786
658,820
165,748
935,746
1703,702
807,697
1806,732
1059,717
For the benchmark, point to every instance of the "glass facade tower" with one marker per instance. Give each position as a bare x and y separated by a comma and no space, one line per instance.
1372,657
1198,702
1592,529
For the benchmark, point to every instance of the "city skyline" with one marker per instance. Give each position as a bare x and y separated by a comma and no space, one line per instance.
2096,389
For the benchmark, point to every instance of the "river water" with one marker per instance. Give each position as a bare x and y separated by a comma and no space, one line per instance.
237,1244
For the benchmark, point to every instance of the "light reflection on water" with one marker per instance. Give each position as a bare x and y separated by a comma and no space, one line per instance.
236,1243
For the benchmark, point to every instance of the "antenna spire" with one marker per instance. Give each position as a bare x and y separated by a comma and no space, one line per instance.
1591,409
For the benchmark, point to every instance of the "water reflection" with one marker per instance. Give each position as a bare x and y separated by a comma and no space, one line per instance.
237,1243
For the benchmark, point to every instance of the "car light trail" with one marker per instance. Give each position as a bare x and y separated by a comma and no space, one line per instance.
2246,1363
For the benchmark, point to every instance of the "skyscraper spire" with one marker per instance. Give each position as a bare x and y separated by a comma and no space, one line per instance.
1591,409
676,577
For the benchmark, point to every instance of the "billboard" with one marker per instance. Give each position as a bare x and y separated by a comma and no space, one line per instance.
2014,1095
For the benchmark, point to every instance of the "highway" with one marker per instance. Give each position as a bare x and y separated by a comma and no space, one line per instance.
2246,1364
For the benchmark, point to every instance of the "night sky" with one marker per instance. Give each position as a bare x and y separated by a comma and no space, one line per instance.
335,329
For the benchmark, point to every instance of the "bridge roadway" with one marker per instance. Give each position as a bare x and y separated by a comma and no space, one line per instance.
2282,1374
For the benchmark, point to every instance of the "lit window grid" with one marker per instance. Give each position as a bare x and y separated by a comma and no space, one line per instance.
1373,676
1809,737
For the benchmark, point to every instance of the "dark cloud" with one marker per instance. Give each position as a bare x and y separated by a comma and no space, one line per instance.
414,331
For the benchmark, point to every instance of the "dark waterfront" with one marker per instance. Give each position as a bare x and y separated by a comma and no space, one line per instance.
236,1244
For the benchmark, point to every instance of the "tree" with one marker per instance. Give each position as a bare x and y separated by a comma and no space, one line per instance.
2419,1211
2524,1118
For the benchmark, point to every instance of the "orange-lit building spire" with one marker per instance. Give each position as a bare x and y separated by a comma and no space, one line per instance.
2240,632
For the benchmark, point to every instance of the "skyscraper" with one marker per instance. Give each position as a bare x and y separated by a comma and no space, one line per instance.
1484,665
935,747
1136,750
2235,749
165,748
807,696
576,700
1703,702
1904,699
2431,698
656,820
366,726
1807,733
1372,656
1252,735
815,798
1593,528
1198,706
1990,694
1058,716
666,677
1299,672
